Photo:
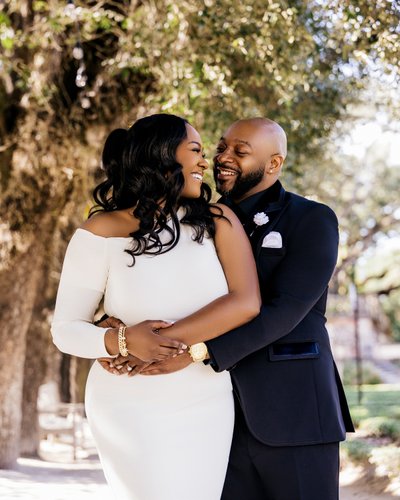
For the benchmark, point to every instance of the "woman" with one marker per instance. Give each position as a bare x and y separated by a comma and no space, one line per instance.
157,249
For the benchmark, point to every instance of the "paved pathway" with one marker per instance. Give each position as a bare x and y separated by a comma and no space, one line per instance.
41,480
37,480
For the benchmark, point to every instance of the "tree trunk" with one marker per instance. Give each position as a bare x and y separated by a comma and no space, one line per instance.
20,280
38,354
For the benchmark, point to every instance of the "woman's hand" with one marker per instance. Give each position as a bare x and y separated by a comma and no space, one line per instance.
144,342
167,366
130,365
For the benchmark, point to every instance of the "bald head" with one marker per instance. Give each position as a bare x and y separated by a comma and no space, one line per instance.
271,130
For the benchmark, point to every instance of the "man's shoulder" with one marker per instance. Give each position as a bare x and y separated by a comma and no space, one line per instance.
309,203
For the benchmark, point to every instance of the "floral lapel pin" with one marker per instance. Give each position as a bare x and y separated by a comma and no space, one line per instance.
260,219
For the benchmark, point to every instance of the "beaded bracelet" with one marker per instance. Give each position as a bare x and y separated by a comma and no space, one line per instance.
123,350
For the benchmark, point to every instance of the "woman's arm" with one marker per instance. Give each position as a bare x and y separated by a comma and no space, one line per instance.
241,303
82,284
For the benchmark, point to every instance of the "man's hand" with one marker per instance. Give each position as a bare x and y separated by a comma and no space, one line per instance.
168,366
121,365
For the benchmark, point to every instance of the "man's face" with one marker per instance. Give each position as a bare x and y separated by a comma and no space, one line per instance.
240,161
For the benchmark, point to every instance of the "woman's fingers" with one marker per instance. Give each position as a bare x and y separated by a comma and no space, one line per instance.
120,360
135,370
108,365
123,369
121,365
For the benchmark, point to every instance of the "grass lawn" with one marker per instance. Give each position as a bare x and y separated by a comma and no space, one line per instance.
378,400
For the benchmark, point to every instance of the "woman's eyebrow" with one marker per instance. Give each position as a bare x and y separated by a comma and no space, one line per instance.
195,142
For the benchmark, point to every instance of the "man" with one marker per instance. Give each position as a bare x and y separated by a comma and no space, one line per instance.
291,410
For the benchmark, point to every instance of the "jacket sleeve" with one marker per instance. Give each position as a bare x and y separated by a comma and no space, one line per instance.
82,284
299,281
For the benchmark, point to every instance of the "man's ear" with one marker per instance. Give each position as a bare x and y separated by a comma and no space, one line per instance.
276,164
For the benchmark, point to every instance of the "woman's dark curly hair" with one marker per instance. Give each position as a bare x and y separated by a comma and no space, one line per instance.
142,172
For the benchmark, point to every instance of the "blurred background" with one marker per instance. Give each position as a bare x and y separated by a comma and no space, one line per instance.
326,70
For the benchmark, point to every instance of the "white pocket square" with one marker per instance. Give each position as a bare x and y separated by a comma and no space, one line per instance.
272,240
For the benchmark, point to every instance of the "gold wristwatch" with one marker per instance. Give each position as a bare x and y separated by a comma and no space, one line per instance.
198,352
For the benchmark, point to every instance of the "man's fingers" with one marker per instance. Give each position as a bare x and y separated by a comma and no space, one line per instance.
166,352
172,344
151,366
153,371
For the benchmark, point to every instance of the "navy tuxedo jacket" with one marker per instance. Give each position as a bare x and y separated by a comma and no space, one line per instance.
281,363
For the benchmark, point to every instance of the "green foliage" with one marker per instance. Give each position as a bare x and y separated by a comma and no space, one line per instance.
5,21
378,422
358,451
381,427
210,61
390,303
372,26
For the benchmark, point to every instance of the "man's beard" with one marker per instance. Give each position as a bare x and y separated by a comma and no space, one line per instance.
243,183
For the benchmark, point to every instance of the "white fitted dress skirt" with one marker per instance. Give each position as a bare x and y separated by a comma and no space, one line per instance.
161,437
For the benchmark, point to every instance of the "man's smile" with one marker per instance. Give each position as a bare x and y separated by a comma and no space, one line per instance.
224,173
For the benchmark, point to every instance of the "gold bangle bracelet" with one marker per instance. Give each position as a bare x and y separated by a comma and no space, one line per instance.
122,347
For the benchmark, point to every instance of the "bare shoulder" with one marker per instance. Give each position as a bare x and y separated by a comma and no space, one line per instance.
229,232
111,224
226,212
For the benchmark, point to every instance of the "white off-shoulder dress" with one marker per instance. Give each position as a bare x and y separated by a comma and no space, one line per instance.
162,437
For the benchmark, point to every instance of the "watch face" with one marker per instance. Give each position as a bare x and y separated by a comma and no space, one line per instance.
198,350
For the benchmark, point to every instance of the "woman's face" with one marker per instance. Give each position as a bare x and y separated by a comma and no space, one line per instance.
190,155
